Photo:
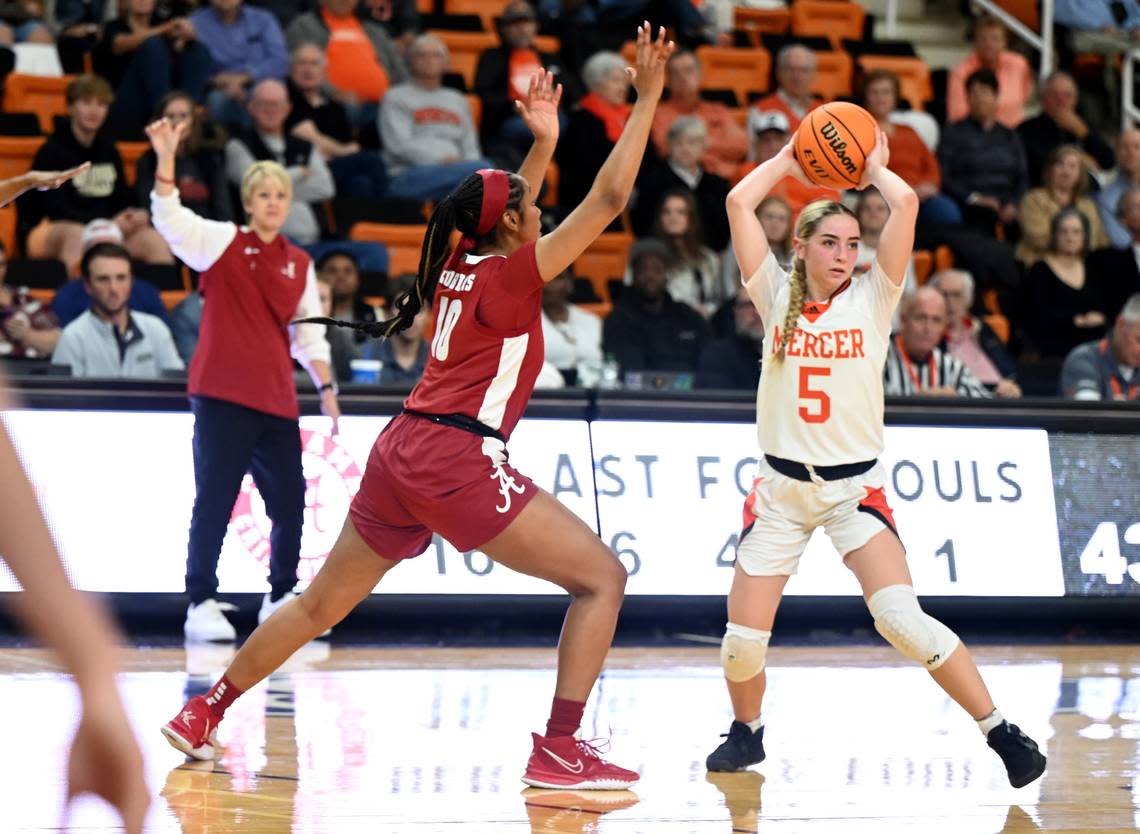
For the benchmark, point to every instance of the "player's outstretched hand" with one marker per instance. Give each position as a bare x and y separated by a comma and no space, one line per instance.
47,180
164,136
649,73
877,159
539,110
105,760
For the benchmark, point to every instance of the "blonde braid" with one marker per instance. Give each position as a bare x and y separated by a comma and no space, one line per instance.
796,296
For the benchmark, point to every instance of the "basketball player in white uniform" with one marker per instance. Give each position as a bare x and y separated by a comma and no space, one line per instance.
820,424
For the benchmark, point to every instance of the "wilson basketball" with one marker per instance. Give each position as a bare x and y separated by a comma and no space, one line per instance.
832,144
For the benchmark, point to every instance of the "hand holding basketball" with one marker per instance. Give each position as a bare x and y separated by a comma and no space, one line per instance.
833,142
792,166
877,160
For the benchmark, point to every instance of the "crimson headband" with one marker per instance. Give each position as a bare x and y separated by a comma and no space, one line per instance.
496,192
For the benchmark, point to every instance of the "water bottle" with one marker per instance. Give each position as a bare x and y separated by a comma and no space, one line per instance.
611,374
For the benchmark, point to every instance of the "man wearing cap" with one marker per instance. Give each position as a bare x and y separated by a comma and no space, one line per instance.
727,143
110,339
503,77
770,129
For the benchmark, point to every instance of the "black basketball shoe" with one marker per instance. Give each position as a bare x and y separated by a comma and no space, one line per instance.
741,748
1023,761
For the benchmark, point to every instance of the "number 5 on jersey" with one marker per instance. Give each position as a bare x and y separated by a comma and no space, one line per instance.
817,407
449,310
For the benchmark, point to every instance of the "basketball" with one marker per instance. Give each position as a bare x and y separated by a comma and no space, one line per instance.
832,144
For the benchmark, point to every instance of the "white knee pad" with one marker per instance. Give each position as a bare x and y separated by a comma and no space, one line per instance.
742,652
903,623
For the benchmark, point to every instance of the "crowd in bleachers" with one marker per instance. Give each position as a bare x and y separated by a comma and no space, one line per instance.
1027,247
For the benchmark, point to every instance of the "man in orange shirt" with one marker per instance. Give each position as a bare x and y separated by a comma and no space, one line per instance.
1014,76
770,131
362,60
795,75
727,144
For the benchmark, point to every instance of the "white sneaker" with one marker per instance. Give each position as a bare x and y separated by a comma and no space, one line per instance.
268,607
207,621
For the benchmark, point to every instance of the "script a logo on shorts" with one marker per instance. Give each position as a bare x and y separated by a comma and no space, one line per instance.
507,485
332,478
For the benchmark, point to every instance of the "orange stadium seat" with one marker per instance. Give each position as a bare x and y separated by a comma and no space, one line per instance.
832,19
550,195
8,229
1000,325
16,153
44,96
130,152
1027,11
547,43
756,22
485,10
604,259
943,258
743,71
833,75
403,243
923,265
464,49
913,74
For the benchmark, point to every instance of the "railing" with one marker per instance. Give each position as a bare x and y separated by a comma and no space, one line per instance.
1129,112
1041,41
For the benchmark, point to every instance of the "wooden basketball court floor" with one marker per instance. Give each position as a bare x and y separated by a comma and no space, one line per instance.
423,740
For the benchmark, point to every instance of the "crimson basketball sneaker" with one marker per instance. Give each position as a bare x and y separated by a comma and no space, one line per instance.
193,730
568,762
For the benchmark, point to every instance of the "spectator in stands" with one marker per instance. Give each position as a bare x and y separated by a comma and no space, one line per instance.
1117,20
22,21
795,75
911,159
430,142
1108,368
769,129
28,327
572,336
983,162
185,322
1014,77
312,181
686,139
1063,186
247,46
1063,302
101,191
1127,177
400,19
144,54
695,277
342,345
593,127
325,122
71,300
1120,268
727,144
916,365
503,77
362,62
1058,124
776,218
733,362
340,269
647,329
969,339
200,170
405,354
110,339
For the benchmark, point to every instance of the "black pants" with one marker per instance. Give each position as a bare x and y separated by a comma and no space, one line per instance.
230,439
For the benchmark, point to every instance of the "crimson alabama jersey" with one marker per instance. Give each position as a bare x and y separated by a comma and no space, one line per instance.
487,347
823,403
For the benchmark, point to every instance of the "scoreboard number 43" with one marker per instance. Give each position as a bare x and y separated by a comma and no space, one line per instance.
1102,557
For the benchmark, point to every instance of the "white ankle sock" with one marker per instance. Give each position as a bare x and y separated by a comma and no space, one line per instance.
755,724
990,721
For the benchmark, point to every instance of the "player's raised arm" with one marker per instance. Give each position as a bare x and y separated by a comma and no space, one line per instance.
897,239
614,183
749,243
540,113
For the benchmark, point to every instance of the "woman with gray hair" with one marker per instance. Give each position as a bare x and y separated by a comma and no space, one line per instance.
594,127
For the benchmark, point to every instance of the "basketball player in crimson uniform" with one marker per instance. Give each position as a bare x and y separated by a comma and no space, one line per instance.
442,465
820,424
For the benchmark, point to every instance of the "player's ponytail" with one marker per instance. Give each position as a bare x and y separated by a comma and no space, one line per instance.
809,220
474,209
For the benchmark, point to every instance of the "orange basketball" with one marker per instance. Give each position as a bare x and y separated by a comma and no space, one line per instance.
832,144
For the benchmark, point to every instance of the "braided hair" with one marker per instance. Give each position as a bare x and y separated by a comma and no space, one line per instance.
809,220
462,209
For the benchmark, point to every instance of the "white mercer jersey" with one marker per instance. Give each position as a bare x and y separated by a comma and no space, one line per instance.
823,403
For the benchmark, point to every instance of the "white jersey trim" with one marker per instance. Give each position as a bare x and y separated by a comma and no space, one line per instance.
506,380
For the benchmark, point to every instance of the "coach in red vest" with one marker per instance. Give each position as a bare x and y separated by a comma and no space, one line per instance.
254,282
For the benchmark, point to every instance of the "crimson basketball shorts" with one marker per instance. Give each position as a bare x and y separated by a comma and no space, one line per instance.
425,478
781,513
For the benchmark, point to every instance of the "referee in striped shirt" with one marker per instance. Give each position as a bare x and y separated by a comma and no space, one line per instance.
915,363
